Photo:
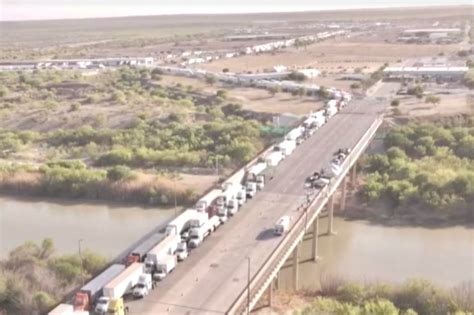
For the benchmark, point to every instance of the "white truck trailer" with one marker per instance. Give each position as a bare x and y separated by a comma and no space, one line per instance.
198,234
181,223
165,265
206,201
120,286
274,158
139,253
254,175
62,309
286,147
167,246
124,282
295,133
86,297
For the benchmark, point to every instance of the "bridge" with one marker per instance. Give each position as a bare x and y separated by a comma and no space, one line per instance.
239,263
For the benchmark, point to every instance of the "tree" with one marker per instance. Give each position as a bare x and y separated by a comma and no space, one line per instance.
297,76
432,99
119,172
355,86
47,248
273,90
222,94
211,79
301,91
42,301
395,103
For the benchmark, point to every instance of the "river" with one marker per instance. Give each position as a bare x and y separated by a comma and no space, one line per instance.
360,250
363,251
105,229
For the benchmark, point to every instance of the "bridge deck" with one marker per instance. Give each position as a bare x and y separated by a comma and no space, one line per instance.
214,275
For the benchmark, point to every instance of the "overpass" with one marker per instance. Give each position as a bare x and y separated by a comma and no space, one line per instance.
237,264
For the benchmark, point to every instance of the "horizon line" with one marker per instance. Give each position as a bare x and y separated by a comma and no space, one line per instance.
315,10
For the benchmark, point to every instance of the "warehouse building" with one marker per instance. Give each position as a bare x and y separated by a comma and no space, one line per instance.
425,73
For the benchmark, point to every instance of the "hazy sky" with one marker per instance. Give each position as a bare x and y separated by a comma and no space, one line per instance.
57,9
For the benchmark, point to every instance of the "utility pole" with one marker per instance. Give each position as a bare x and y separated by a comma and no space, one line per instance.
82,263
248,285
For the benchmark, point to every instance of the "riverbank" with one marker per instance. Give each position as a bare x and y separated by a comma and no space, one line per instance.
381,213
340,296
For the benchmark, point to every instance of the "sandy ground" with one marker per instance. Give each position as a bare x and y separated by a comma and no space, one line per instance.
257,100
332,56
449,105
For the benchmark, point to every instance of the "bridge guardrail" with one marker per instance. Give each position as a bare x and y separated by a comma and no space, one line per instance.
277,258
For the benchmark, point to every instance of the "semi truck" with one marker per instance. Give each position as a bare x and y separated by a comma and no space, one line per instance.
198,234
286,147
111,306
182,251
205,202
117,307
85,298
62,309
254,175
143,287
139,253
165,265
295,133
241,195
181,223
167,246
120,286
274,158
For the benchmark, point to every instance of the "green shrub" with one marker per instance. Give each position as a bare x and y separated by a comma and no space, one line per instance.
119,172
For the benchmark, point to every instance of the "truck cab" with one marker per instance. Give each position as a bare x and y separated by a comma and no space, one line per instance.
164,267
260,182
232,206
182,251
102,305
117,307
251,189
223,214
82,301
143,287
241,196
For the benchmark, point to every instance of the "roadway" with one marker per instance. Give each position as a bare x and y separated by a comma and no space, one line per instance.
215,274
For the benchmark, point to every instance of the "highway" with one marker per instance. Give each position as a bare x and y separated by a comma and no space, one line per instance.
215,274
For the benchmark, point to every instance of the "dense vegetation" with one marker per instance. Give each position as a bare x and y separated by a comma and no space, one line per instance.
162,130
425,165
415,296
33,279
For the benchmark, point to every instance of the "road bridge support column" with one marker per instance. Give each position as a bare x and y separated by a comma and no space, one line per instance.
270,294
343,194
331,215
296,262
315,239
354,175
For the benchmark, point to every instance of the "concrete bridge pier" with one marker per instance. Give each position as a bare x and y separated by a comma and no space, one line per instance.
315,256
331,215
354,174
270,294
296,262
343,194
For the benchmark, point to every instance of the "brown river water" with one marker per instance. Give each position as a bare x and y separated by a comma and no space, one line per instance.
360,250
367,252
105,229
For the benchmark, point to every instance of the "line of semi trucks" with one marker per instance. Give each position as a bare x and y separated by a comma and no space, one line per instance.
158,255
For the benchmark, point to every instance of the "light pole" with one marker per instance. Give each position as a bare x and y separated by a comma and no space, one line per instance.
248,285
82,263
174,193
